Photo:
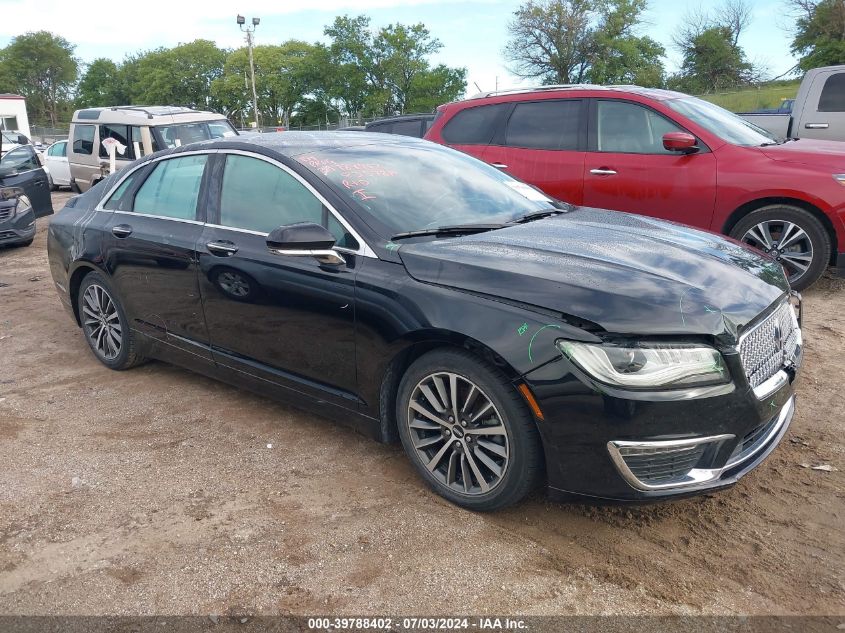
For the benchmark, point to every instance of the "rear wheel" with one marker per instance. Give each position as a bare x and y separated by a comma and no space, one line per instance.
793,236
467,431
53,186
104,324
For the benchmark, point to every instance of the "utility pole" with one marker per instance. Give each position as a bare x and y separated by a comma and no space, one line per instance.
249,43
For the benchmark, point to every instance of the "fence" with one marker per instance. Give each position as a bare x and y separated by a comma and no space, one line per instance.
48,135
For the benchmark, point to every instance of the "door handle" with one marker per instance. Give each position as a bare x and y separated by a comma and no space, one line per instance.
499,165
222,248
817,126
603,172
121,230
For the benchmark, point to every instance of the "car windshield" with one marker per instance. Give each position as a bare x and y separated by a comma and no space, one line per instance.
400,188
726,125
184,133
10,137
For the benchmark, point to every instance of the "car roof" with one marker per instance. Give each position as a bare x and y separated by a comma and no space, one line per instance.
403,117
658,94
293,143
137,114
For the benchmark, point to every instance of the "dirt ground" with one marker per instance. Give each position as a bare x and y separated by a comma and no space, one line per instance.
157,491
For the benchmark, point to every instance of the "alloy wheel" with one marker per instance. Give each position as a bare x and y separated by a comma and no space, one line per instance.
786,241
233,284
102,322
458,434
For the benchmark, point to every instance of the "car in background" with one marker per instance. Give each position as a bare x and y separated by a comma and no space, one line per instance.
415,125
785,107
139,131
10,139
418,294
56,165
24,195
667,155
818,110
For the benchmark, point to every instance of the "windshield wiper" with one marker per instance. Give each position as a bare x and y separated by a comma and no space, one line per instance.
537,215
457,229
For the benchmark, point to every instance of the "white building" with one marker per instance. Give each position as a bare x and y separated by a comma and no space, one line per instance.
13,114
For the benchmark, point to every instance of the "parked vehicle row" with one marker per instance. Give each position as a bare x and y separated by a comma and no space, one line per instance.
505,338
667,155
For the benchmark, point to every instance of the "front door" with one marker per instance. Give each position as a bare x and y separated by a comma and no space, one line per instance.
150,251
20,167
628,169
284,319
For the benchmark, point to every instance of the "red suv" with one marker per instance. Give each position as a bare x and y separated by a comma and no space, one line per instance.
667,155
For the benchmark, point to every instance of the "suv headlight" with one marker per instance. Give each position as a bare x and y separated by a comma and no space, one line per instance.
24,205
648,365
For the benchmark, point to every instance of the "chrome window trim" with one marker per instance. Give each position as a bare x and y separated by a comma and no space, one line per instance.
155,217
363,250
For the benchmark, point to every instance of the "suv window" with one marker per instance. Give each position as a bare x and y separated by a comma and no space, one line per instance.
20,159
832,98
473,126
172,189
259,196
120,133
545,125
629,128
407,128
83,139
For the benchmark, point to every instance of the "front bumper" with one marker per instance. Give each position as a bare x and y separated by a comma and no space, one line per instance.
609,446
17,229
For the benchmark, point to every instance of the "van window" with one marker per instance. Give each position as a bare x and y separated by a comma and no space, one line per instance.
83,139
120,133
474,126
832,98
545,125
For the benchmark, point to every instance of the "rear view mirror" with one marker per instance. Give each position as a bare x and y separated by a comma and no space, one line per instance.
305,239
680,142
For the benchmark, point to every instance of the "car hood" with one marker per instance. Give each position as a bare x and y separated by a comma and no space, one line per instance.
808,152
628,274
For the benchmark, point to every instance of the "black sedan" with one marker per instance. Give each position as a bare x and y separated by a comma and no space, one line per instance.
24,195
421,295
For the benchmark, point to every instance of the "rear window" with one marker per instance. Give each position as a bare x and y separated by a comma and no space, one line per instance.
545,125
832,98
83,139
408,128
474,126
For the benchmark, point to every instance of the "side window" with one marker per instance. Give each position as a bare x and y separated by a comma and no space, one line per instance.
545,125
120,133
83,139
474,126
62,149
136,139
407,128
120,200
259,196
20,159
384,128
628,128
172,189
832,98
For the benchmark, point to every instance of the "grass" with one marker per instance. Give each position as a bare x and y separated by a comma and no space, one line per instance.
768,95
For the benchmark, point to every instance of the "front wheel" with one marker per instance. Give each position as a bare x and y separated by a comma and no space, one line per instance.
467,431
793,236
105,325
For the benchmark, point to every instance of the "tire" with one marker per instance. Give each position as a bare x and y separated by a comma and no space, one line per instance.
808,243
74,187
98,304
459,452
53,186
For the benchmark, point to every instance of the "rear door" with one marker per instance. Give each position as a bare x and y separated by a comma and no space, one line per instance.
20,167
284,319
543,143
628,169
56,161
823,112
158,214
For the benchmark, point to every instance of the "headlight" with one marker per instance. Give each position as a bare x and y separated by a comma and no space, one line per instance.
24,205
648,365
10,193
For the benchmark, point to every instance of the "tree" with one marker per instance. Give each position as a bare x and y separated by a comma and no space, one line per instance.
386,72
41,67
713,60
819,32
177,76
573,41
102,85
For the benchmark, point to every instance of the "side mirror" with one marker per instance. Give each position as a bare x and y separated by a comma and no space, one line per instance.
305,239
680,142
22,140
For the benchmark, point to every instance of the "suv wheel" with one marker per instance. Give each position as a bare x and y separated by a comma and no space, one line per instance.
467,431
793,236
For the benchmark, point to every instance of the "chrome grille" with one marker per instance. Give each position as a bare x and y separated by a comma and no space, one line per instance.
770,345
5,214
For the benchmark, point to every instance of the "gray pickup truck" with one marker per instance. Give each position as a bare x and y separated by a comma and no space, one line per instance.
818,111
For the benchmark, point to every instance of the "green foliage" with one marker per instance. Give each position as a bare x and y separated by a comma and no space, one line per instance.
712,62
820,34
41,67
102,85
573,41
766,95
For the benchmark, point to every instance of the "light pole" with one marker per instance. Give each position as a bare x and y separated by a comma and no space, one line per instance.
249,41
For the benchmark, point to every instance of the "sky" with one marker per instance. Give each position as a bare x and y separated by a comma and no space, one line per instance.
473,32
